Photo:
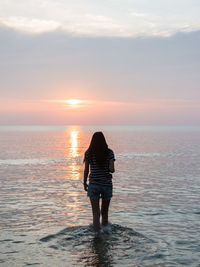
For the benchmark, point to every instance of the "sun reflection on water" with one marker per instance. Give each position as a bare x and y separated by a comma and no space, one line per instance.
74,134
74,170
73,152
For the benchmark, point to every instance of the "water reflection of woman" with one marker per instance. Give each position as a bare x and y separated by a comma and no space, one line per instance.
99,164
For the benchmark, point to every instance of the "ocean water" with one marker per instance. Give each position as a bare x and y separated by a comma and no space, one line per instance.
45,215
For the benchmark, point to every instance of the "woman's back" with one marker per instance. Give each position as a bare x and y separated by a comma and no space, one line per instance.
99,163
100,173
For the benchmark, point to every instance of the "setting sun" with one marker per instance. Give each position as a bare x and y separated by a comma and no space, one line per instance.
73,101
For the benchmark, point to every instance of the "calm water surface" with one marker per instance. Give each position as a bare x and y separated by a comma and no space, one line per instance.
45,216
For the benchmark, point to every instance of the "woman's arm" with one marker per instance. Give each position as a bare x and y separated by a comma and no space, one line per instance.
111,166
86,172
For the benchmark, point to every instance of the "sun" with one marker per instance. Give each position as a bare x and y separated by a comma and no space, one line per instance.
73,102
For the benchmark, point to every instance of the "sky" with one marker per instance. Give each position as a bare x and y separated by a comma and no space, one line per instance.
126,61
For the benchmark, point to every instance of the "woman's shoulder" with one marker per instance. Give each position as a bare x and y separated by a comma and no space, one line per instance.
86,154
110,150
111,154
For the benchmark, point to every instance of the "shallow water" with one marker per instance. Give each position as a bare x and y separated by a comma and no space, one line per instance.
45,215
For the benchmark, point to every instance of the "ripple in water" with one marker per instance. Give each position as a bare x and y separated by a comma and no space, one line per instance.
120,245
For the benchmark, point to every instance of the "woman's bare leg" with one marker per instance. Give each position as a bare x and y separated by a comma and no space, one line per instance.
104,211
96,214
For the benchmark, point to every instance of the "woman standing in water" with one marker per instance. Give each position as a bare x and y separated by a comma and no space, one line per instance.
99,164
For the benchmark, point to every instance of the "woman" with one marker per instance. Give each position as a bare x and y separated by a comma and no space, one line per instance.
100,160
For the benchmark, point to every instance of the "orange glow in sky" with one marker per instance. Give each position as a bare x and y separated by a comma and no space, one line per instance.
79,111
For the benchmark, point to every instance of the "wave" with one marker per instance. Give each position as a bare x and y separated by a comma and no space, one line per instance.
131,155
79,231
37,161
119,244
79,159
168,155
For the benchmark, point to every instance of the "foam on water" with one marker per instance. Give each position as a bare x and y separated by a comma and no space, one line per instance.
108,248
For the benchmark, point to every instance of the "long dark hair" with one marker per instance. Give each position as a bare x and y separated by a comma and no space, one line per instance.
98,147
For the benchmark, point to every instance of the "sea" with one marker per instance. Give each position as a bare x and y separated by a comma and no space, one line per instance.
46,217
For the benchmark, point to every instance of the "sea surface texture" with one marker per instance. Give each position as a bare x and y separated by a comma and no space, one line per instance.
45,215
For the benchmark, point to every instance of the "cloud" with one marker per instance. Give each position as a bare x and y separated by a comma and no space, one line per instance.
100,26
121,18
30,25
56,62
124,76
